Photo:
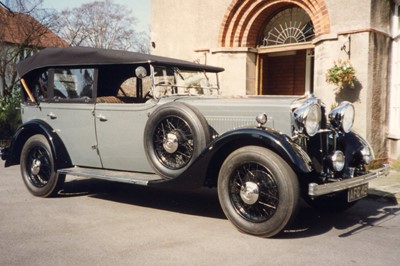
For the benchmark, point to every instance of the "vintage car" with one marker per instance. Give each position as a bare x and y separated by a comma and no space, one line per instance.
162,122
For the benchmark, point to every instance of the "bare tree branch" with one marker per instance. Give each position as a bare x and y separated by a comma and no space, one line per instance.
102,24
24,29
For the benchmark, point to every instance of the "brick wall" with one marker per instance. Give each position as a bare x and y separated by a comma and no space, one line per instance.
244,20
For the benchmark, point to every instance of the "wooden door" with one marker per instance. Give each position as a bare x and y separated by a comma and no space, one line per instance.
283,73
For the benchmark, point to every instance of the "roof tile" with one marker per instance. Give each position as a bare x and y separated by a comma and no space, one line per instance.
19,28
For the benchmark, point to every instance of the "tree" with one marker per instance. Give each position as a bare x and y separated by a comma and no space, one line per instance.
102,24
24,29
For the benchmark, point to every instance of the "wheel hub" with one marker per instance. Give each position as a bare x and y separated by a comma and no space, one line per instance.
35,168
171,143
249,193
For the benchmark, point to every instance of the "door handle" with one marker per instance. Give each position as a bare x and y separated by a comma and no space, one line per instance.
102,118
52,115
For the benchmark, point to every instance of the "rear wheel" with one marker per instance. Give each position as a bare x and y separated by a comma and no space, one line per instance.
37,168
258,191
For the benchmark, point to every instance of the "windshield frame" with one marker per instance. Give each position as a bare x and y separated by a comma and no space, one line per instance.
188,89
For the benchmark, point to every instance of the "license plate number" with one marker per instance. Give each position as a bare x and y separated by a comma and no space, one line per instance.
357,192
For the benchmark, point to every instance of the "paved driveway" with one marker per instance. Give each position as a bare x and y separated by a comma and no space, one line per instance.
104,223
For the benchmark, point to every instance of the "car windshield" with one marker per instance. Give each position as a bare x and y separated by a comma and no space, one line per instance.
174,81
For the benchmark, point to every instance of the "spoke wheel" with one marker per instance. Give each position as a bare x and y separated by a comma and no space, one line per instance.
173,142
254,192
175,134
37,167
258,191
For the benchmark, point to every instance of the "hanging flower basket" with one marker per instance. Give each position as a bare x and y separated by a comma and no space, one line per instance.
341,74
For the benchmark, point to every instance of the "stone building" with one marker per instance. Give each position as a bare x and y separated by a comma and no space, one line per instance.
285,47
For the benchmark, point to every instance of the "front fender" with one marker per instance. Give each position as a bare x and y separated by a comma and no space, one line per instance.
33,127
353,145
205,169
270,139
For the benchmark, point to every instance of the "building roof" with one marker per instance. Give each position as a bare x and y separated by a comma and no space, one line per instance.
85,56
19,28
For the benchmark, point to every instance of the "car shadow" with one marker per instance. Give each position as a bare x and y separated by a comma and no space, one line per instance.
200,202
365,215
309,222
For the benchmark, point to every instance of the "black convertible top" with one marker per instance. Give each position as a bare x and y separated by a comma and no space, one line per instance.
85,56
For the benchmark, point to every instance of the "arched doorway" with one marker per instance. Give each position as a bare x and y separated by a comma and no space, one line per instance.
285,53
242,31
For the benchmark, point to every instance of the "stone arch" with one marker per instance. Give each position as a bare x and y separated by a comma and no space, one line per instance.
243,20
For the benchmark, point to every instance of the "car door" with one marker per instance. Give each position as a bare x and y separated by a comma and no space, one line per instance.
66,104
120,128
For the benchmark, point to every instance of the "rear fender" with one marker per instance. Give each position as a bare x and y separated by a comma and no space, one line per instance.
33,127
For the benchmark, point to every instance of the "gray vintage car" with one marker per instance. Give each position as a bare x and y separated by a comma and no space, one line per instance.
162,122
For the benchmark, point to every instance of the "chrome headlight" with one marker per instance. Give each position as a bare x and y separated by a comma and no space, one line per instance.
342,117
337,160
308,118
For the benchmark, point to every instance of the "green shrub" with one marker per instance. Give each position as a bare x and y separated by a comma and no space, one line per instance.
10,116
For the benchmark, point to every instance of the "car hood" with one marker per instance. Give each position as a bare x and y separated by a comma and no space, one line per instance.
225,113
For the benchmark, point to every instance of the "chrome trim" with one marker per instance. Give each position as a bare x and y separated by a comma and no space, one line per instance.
315,190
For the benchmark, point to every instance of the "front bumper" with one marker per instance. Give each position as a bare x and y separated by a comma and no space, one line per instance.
315,190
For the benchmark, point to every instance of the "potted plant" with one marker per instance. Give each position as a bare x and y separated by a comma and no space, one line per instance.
342,74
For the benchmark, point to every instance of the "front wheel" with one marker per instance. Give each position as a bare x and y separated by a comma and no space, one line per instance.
37,168
258,191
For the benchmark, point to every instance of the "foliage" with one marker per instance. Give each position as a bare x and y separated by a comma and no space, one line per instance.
10,116
102,24
341,74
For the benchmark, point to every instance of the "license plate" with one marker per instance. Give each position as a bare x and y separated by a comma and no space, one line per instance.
357,192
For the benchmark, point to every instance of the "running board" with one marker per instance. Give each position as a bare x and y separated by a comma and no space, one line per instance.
142,179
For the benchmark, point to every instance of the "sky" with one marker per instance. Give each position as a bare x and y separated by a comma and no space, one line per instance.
139,8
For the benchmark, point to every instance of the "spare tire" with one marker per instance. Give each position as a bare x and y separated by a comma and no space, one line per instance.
175,134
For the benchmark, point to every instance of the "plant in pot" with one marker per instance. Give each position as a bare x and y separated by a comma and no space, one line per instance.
342,74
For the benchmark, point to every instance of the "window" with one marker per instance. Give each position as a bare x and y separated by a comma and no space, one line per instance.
38,84
73,84
172,80
292,25
41,89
